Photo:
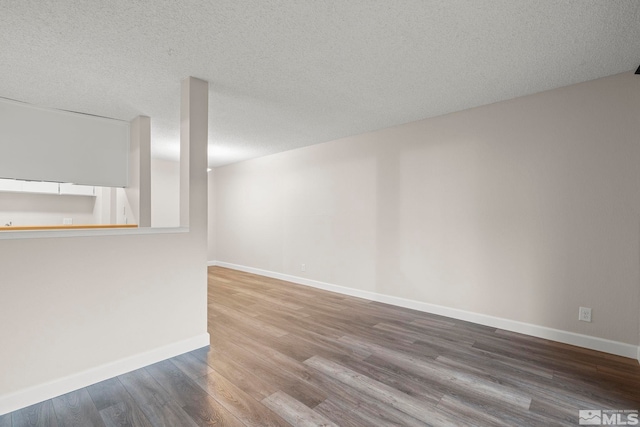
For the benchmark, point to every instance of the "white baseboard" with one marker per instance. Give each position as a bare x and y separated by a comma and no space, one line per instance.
580,340
32,395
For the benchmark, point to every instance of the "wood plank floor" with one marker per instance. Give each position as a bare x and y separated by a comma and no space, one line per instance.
284,354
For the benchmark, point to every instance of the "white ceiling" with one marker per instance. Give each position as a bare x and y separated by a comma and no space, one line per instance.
285,74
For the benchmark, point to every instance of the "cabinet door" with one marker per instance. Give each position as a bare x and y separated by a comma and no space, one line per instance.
40,187
10,185
78,190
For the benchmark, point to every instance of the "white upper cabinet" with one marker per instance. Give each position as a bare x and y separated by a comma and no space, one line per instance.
41,187
10,185
42,144
77,190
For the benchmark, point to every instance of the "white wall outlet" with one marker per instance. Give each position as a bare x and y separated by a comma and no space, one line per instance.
584,314
303,267
67,221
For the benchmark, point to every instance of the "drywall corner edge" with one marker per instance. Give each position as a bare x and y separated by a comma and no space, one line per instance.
39,393
566,337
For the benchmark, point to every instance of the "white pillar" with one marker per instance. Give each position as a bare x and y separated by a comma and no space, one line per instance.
194,115
139,189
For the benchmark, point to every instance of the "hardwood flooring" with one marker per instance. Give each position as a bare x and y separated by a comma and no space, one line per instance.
283,354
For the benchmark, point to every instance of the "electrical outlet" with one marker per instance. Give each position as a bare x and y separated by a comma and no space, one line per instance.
303,267
67,221
584,314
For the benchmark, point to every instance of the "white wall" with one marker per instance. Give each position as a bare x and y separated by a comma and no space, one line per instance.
73,304
104,210
211,238
124,211
45,209
165,193
523,210
26,209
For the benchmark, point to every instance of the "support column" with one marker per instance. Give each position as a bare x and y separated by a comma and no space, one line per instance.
139,189
194,115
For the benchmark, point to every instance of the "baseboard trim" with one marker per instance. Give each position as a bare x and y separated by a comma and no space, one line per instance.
32,395
580,340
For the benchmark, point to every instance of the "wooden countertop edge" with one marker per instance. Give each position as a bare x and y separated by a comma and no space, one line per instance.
66,227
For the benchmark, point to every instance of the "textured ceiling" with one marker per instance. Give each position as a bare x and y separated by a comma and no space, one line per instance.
285,74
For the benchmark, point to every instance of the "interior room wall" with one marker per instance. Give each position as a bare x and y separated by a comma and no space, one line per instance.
211,238
124,212
104,210
521,210
165,193
78,309
45,209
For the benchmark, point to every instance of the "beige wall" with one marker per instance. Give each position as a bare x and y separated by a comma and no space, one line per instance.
102,206
124,211
524,210
45,209
94,300
211,238
165,193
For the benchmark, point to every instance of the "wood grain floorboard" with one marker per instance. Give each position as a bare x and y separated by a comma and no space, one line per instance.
202,408
251,412
266,298
412,388
283,354
154,401
252,357
245,379
38,415
555,412
314,336
467,414
345,416
418,409
295,412
251,322
280,312
76,409
108,393
192,366
124,415
307,376
115,404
